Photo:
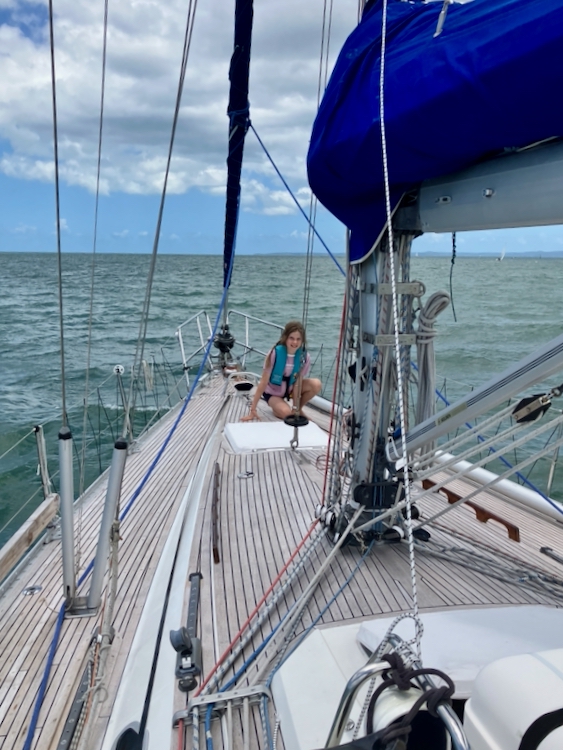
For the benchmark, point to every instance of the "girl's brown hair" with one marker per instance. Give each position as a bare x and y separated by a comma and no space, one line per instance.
291,327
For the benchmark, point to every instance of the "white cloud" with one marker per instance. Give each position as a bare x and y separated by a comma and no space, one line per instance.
24,229
122,234
257,197
145,41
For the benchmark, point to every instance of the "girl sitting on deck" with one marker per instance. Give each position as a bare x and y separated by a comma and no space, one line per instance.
283,376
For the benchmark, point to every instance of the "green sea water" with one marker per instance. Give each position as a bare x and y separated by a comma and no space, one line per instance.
503,309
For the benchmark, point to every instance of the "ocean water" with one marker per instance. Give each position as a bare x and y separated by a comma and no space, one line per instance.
504,310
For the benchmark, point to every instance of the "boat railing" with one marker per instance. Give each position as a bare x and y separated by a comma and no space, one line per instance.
370,671
200,320
160,384
248,345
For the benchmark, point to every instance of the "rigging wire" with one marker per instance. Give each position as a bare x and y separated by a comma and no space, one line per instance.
279,174
140,347
85,418
57,210
396,330
94,243
313,203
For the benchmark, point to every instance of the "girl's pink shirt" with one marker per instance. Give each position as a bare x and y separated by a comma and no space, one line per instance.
279,390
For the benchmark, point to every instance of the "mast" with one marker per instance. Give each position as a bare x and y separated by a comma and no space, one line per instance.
375,382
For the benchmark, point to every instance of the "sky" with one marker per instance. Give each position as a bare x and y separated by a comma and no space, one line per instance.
145,39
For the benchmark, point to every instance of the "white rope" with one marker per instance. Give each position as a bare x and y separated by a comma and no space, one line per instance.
195,728
404,650
426,402
292,572
289,625
397,347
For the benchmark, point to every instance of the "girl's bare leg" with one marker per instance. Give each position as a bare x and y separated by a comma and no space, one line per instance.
280,407
311,387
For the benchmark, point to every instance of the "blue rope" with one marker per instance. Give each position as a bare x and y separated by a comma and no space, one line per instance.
307,219
502,459
45,679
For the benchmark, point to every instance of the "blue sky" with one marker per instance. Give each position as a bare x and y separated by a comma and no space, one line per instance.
144,47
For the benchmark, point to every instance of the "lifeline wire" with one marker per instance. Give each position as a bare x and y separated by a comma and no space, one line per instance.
396,327
57,210
503,460
15,445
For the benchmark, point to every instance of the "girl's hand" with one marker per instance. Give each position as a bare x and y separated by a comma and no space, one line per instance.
250,416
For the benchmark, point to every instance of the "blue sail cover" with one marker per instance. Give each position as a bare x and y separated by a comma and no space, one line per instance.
492,80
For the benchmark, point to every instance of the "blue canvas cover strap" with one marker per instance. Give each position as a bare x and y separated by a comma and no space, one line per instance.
489,83
280,352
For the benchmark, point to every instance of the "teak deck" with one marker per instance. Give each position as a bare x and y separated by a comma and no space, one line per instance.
260,520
